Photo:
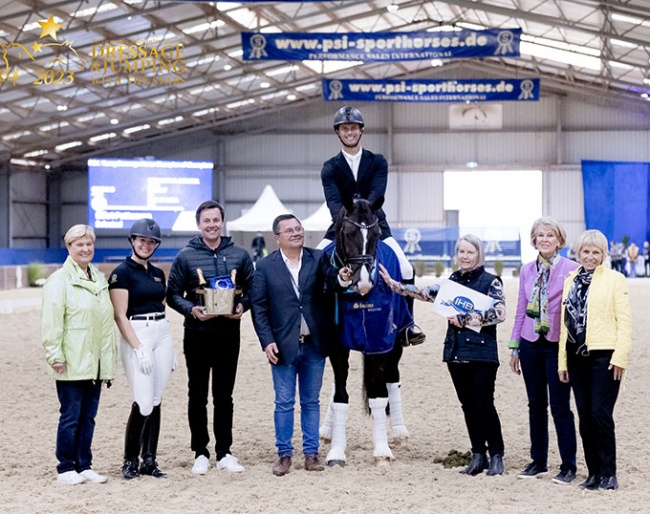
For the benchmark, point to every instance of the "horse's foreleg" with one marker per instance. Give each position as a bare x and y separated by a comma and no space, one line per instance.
336,455
381,453
325,430
398,426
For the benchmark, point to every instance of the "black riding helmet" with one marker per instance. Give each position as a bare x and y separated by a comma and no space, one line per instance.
145,228
348,115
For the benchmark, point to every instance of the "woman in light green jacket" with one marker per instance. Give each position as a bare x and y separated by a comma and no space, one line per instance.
79,340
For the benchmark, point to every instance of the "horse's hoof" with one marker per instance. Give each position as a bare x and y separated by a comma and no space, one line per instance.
382,462
398,441
333,463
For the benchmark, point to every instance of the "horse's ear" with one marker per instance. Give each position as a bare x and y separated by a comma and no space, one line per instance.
348,202
376,205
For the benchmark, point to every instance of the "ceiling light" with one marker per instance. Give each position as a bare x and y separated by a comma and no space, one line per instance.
392,7
132,130
61,107
291,98
102,137
227,67
114,121
66,146
264,85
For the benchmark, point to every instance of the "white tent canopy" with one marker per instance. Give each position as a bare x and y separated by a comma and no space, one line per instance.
319,221
261,215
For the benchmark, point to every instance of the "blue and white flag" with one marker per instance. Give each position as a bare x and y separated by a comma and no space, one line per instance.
446,90
380,46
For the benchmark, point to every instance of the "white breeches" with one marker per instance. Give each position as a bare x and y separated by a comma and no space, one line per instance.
404,265
148,390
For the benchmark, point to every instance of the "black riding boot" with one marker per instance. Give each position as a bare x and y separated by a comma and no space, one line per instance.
496,465
412,335
150,435
132,442
478,464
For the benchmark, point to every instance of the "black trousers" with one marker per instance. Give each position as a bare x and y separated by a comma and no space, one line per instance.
474,383
595,392
215,353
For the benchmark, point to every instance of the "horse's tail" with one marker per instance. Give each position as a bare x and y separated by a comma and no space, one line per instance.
364,388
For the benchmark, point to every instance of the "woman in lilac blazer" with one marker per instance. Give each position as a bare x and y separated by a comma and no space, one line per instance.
534,347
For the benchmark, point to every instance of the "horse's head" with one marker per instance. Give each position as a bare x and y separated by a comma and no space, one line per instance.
357,233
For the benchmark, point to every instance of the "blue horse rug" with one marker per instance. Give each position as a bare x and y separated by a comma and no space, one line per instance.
370,324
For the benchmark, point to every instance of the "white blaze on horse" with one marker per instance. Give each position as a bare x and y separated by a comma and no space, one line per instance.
369,319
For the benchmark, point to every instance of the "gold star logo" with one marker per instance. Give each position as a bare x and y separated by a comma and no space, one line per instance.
37,47
49,28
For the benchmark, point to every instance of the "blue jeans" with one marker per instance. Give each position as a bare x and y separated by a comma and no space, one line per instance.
539,365
79,401
308,368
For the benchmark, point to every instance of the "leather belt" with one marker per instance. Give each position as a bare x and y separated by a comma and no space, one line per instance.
148,317
305,339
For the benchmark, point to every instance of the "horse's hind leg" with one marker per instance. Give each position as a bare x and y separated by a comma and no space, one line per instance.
391,374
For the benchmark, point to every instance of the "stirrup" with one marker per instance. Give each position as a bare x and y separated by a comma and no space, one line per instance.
413,336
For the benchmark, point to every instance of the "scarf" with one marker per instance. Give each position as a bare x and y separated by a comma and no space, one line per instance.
537,307
575,314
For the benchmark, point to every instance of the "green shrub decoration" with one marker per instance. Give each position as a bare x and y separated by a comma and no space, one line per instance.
439,268
420,268
36,274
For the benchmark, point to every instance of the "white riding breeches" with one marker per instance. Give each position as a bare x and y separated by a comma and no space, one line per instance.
405,266
155,336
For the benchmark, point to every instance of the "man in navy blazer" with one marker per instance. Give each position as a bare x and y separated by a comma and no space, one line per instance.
290,317
357,171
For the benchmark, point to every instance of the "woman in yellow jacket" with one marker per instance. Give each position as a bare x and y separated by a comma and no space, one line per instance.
79,340
595,340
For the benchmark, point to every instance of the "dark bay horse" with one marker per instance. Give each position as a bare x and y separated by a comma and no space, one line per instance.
369,317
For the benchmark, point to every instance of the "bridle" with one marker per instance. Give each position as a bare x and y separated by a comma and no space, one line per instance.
364,259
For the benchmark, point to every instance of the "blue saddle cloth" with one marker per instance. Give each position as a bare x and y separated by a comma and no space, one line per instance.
370,323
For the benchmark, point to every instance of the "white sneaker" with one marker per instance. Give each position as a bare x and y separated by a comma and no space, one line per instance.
70,478
94,478
201,465
231,464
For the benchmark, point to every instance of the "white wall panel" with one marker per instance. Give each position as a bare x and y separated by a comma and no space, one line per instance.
607,146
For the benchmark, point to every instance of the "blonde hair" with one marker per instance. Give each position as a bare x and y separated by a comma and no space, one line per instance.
550,223
476,243
595,238
77,232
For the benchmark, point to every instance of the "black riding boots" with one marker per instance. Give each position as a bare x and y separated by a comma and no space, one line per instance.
412,335
141,437
150,435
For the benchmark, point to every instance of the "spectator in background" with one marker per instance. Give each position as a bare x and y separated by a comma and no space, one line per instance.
259,247
632,258
79,340
646,258
534,347
595,340
616,255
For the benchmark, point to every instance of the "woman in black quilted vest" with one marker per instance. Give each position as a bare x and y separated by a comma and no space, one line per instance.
470,351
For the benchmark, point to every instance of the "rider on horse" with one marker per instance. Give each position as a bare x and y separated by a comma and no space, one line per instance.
356,171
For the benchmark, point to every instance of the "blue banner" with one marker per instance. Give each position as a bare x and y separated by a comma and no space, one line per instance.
433,244
380,46
447,90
